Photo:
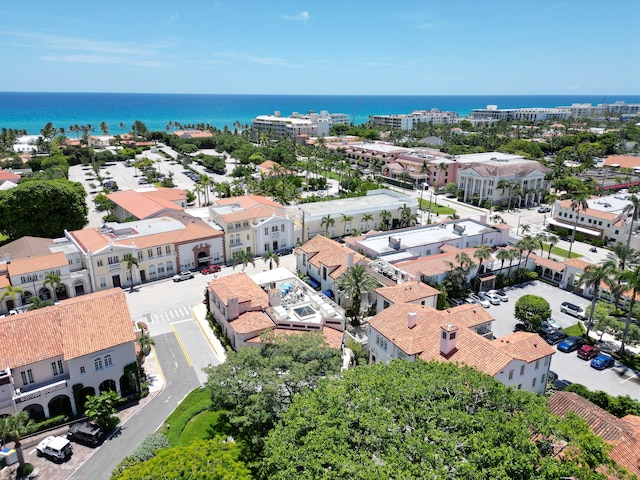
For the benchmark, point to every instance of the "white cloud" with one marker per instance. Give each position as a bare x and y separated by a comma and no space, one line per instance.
173,17
300,17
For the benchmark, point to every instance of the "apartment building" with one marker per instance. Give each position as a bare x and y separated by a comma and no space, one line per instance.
254,224
408,331
409,121
492,112
275,300
54,357
147,203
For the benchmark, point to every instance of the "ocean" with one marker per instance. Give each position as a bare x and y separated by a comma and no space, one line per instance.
32,111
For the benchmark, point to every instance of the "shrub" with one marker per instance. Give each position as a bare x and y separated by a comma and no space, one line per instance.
51,422
146,450
24,470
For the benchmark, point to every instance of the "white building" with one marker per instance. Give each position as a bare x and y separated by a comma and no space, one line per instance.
411,120
310,124
460,334
26,143
87,348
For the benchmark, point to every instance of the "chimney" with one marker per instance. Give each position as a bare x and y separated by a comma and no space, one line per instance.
448,338
412,318
275,297
233,308
350,260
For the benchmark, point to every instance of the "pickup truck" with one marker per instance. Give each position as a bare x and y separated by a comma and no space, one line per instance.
57,449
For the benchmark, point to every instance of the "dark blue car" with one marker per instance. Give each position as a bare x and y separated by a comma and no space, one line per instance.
602,361
570,344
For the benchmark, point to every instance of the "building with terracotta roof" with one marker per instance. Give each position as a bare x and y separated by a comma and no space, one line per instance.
163,247
460,334
87,347
417,293
7,176
425,240
193,133
147,203
631,162
605,218
323,261
347,214
479,175
245,307
252,223
32,263
623,434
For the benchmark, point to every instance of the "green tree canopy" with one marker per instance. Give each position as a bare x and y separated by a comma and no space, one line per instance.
203,460
102,410
256,386
43,209
532,310
426,420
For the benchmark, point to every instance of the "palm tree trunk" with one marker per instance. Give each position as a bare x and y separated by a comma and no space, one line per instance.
593,306
628,322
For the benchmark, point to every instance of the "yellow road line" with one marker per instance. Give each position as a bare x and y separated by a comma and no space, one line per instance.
186,355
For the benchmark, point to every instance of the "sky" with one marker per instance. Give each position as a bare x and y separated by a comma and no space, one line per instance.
346,47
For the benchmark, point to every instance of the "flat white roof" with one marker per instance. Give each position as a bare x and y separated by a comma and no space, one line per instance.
610,203
487,156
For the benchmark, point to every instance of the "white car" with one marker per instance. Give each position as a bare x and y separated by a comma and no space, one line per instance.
182,276
491,297
502,295
473,298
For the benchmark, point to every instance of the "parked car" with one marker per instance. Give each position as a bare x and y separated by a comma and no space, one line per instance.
210,269
502,295
587,352
454,302
554,337
573,310
492,298
478,300
570,344
86,433
143,181
186,275
552,377
546,327
603,361
57,449
520,327
544,209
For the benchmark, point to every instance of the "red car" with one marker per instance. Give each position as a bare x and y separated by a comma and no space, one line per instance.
587,352
210,269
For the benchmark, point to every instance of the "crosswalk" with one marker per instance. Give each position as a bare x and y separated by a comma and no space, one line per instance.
169,316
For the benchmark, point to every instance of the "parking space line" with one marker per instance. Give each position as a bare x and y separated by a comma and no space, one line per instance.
629,378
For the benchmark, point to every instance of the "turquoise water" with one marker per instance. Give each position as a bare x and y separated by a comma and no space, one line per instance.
31,111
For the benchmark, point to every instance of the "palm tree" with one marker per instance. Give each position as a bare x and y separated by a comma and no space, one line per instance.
11,291
592,277
515,254
503,255
541,237
54,281
497,219
552,240
525,228
527,244
407,218
502,186
16,427
482,253
355,283
327,222
270,257
634,207
104,128
243,257
632,279
366,218
131,260
36,303
622,257
578,202
385,217
345,220
145,342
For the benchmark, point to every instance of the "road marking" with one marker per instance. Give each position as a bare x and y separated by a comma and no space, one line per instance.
627,379
184,351
170,314
182,321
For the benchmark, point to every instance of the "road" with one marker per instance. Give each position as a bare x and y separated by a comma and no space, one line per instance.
180,380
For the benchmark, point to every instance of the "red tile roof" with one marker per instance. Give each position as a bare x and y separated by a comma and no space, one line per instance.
22,266
322,251
145,204
251,322
240,285
407,292
76,327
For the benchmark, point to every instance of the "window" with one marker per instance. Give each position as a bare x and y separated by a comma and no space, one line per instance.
167,249
537,364
266,231
520,387
304,259
245,223
97,363
99,263
510,374
324,272
452,336
282,227
83,370
107,361
521,370
113,260
57,368
385,304
159,251
266,247
542,378
150,252
533,382
103,282
27,377
274,229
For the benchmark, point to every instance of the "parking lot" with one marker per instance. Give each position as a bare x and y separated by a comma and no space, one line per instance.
618,380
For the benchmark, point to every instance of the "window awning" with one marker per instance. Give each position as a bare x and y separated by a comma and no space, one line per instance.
328,293
569,226
313,282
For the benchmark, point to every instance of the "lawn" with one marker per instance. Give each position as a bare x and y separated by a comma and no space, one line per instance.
436,209
560,252
204,426
575,330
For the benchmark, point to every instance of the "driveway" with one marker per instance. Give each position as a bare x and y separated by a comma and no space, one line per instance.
618,380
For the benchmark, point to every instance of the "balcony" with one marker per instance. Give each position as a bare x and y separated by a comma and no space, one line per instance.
38,392
114,266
